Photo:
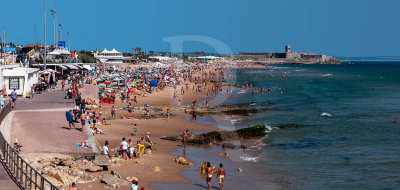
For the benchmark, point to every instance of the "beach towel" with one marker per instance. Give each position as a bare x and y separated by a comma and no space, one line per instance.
79,145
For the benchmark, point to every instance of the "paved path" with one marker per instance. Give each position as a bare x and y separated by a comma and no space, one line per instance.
40,125
5,181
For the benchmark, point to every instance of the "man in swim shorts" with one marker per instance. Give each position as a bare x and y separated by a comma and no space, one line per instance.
209,175
221,176
124,145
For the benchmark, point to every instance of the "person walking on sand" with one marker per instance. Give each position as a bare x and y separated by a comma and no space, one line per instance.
209,175
62,85
83,121
68,115
124,145
221,176
106,152
113,112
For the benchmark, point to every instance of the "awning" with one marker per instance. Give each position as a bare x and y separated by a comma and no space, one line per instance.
62,66
73,67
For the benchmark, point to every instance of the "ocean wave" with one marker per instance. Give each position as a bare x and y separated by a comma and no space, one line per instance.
233,121
275,67
326,114
327,75
258,147
249,158
269,128
241,92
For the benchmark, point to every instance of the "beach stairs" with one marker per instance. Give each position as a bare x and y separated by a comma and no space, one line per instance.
99,159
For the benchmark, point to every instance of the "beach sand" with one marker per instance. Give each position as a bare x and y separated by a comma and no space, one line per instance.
158,127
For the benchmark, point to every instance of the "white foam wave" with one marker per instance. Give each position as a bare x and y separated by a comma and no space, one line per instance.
268,127
249,158
258,147
241,92
326,114
326,75
233,121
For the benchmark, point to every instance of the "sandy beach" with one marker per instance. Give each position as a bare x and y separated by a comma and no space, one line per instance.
141,168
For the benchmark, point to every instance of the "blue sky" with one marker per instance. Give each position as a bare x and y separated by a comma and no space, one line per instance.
333,27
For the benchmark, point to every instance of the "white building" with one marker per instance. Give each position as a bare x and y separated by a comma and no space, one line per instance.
21,79
112,56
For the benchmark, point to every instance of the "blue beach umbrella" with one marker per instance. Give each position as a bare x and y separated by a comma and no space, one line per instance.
154,83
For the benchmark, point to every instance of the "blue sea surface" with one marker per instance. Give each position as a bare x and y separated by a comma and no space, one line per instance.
354,144
347,138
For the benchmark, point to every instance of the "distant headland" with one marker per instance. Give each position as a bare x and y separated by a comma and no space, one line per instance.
287,57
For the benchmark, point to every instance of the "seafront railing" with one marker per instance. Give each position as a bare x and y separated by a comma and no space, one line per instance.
19,170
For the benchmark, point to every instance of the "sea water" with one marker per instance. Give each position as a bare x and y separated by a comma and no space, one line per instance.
346,140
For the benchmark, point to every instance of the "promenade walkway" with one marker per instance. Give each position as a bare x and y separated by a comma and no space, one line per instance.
41,127
6,183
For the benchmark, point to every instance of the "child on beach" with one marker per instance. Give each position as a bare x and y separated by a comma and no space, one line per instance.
135,185
168,114
134,130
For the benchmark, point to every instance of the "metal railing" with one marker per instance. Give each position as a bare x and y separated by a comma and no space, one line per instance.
19,170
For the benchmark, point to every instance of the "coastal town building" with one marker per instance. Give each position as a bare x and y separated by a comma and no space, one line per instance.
21,79
112,56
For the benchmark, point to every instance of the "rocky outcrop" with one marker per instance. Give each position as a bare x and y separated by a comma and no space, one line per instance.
232,146
218,136
62,170
181,160
156,169
213,137
113,181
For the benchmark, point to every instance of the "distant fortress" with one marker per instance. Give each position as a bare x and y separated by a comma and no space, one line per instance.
286,57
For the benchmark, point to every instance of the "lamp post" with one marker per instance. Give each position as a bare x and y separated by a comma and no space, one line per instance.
53,13
45,51
60,25
69,41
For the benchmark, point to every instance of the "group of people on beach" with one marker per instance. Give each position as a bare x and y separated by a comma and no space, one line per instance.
130,150
200,77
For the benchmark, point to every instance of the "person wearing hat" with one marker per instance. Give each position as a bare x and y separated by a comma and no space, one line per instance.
134,185
17,146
